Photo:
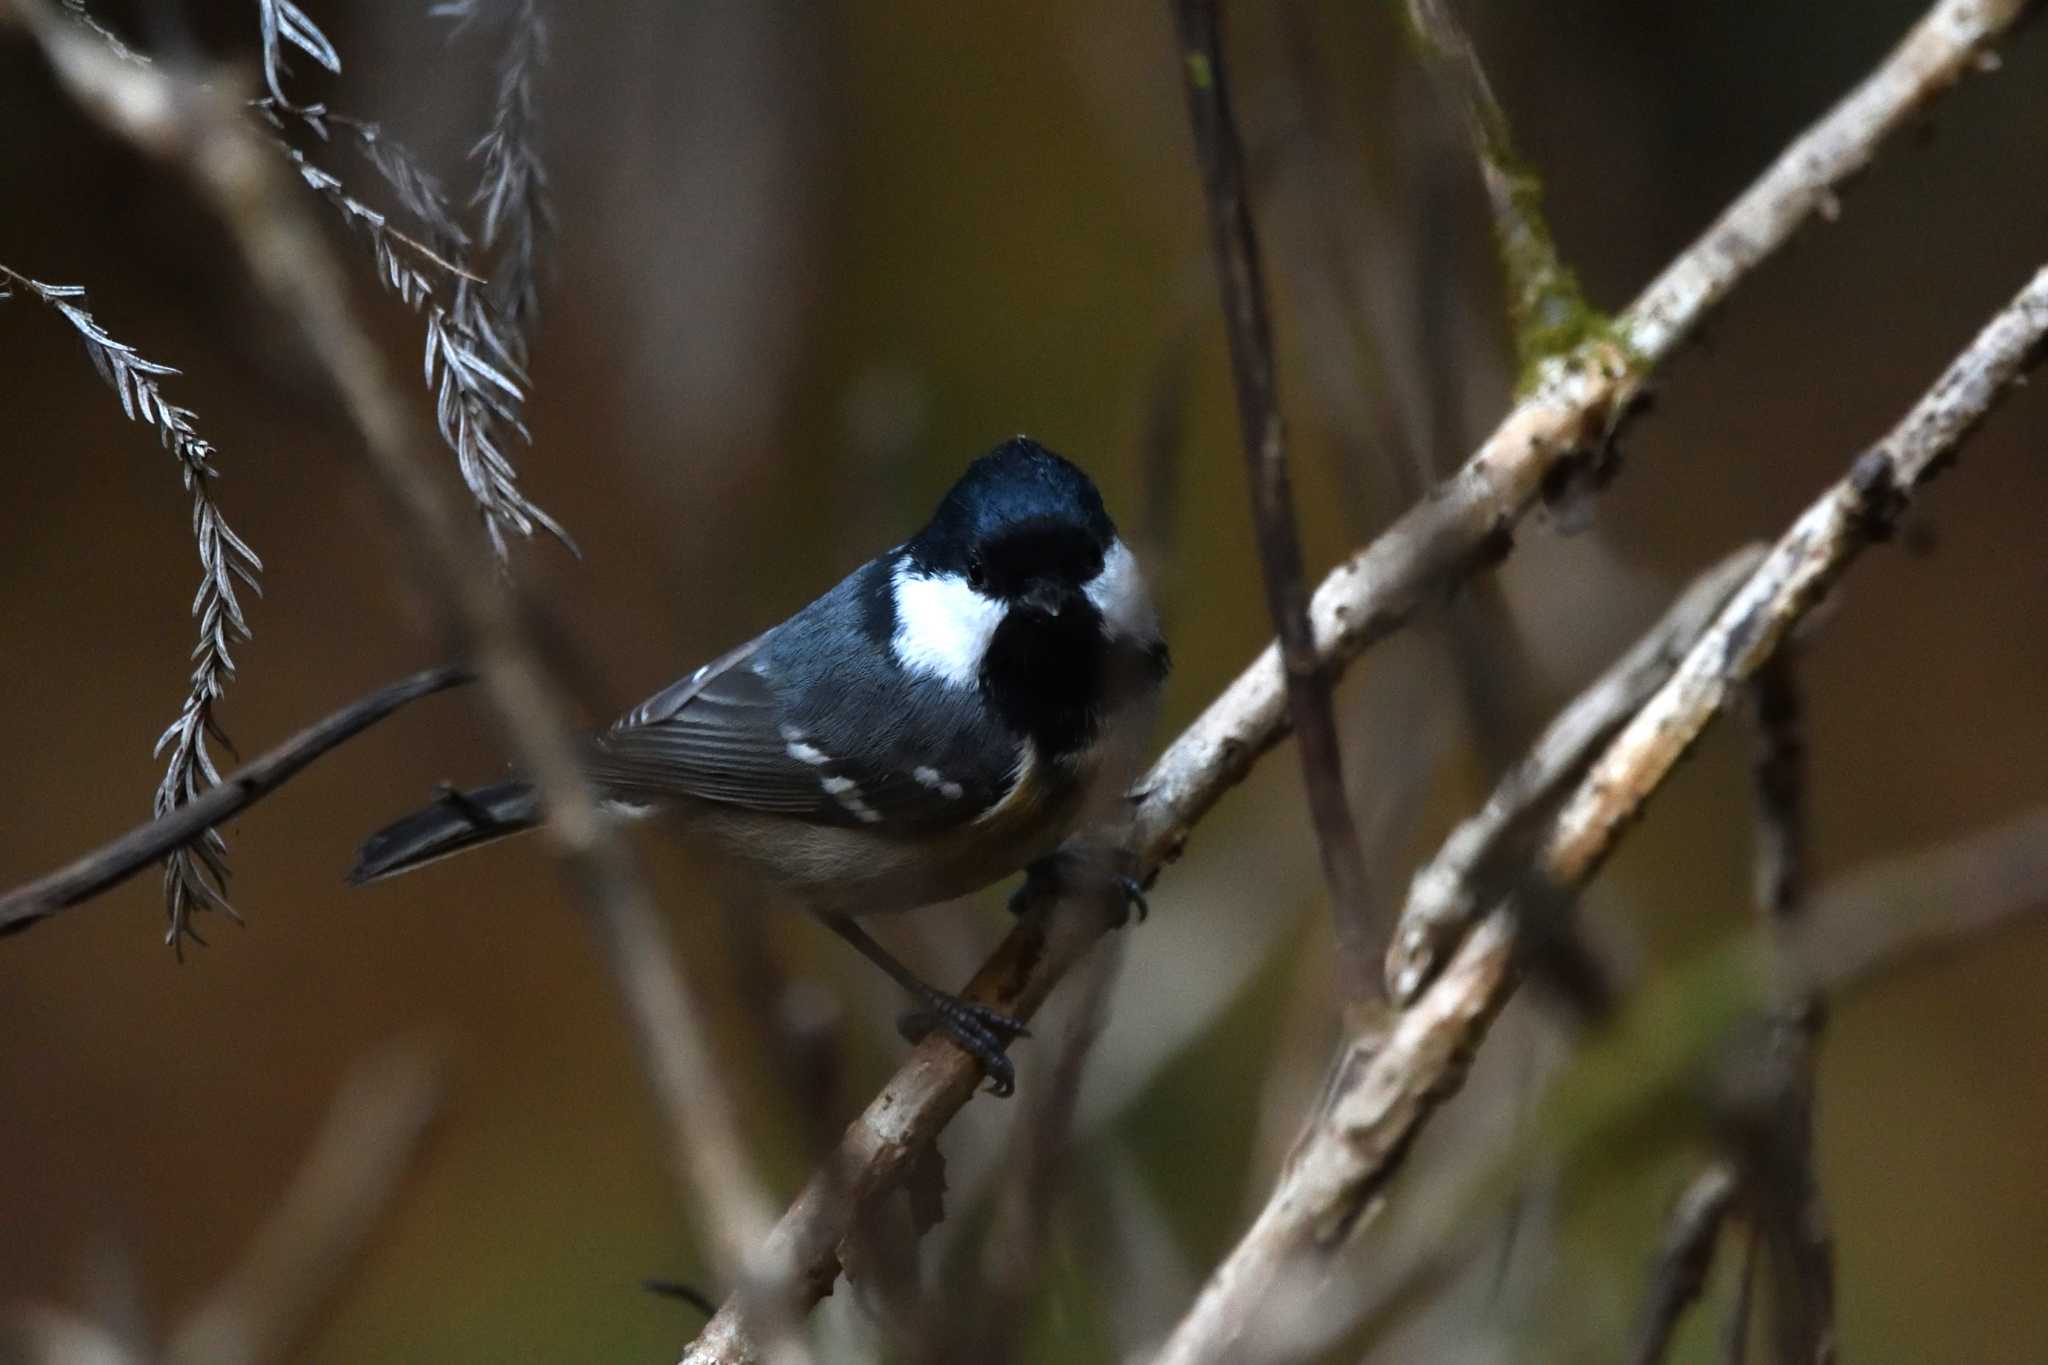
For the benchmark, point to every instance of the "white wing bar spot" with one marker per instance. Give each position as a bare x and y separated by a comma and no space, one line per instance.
847,793
802,751
932,779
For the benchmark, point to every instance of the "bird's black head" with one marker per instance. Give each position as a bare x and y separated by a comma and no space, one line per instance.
1022,526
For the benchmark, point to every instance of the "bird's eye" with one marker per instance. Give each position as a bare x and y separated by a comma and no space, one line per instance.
976,574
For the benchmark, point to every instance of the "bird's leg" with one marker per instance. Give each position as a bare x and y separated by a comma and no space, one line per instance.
1080,869
981,1032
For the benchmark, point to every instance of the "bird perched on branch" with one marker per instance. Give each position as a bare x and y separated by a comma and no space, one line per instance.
951,712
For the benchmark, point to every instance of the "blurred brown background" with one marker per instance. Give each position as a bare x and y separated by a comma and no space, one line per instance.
811,259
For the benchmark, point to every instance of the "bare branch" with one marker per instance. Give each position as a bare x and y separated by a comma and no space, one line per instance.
1463,526
1337,1178
1861,508
201,130
1220,154
1487,853
1466,521
307,1248
112,863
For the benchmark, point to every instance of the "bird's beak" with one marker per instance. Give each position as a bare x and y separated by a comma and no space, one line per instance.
1046,596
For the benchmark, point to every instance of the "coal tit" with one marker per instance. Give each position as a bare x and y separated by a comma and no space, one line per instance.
951,712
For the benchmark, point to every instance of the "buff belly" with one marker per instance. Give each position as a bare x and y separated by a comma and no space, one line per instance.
856,870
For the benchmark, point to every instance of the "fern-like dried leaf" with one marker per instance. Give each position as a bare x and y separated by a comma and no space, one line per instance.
284,22
475,353
512,184
195,877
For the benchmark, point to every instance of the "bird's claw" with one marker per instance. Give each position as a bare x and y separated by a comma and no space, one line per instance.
1134,902
1046,880
981,1032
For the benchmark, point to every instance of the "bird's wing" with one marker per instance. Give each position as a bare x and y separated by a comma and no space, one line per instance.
725,734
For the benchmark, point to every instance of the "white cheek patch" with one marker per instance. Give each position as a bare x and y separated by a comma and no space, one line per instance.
1118,592
943,626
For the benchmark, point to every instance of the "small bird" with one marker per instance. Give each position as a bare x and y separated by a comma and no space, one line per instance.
953,711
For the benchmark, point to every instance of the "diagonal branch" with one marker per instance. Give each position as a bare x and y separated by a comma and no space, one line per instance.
1484,855
1466,522
1220,154
1339,1174
1464,525
112,863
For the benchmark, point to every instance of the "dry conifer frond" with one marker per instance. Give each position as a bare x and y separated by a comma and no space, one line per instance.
195,877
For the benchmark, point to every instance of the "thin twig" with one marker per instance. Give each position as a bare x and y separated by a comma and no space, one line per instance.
418,190
1911,911
1465,525
1735,1334
1220,154
1544,299
1785,1186
112,863
1336,1180
76,9
1778,782
200,129
1483,855
1684,1262
1012,1262
307,1247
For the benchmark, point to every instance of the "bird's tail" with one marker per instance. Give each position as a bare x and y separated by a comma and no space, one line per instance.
458,821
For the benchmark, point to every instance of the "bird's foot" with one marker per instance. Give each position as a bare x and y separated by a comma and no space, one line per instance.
1111,875
983,1033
